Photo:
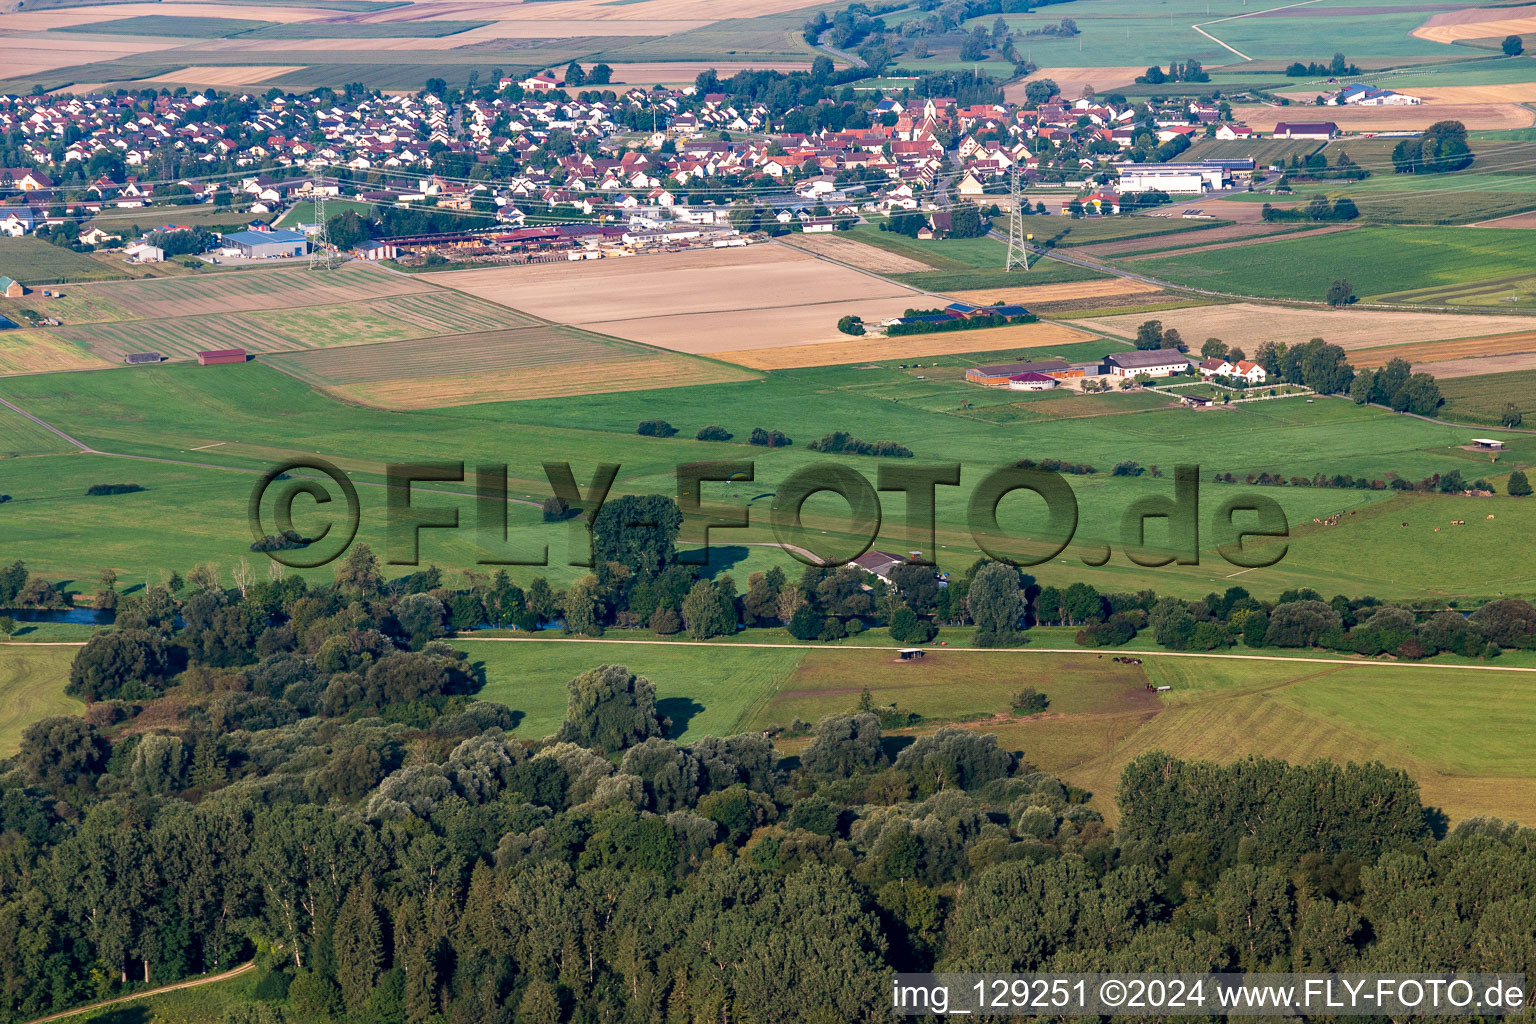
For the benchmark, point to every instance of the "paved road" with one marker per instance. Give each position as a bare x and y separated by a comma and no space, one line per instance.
193,983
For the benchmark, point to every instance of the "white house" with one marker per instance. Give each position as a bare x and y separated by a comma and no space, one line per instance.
1163,362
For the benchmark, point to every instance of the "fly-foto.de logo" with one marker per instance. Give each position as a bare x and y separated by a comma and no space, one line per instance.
1247,530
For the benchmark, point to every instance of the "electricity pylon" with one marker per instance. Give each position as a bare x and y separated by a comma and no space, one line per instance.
1018,255
321,257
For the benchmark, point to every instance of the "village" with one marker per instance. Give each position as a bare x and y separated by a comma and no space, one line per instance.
531,173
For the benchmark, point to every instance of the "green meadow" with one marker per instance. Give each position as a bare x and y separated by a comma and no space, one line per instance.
32,688
201,436
1377,261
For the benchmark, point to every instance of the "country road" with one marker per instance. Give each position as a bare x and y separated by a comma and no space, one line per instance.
192,983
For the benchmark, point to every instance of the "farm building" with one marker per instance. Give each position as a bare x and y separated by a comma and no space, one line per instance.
1190,178
11,288
1488,443
137,358
1163,362
998,375
1306,130
877,563
1032,381
1366,96
257,245
1001,375
215,357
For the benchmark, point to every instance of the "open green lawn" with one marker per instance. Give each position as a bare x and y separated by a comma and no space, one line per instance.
1377,261
32,688
706,692
34,262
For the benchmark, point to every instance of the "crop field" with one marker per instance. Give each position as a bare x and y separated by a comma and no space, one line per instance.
497,366
170,25
1441,351
1031,295
33,262
860,350
29,351
1482,399
1456,25
1409,265
1473,366
32,688
1248,324
858,254
242,290
1475,115
1158,243
421,314
696,302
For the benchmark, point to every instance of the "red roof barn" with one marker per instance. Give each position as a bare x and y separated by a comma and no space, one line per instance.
216,356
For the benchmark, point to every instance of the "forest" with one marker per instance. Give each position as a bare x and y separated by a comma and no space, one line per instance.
301,775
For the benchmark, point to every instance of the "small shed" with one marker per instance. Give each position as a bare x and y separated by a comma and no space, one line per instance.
11,288
1488,443
215,357
910,653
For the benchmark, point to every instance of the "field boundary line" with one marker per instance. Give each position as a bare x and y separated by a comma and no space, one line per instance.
1001,650
1236,17
234,972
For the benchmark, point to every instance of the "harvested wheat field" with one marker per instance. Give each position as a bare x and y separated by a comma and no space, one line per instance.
27,55
1027,295
1478,23
1248,324
864,350
1478,116
700,301
225,76
637,373
768,327
859,254
1518,220
1074,81
39,352
1479,366
1441,351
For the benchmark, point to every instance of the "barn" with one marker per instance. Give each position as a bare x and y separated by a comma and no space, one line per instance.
214,357
1163,362
11,288
1031,381
259,245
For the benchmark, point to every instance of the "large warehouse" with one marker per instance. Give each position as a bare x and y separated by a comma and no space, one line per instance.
258,245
